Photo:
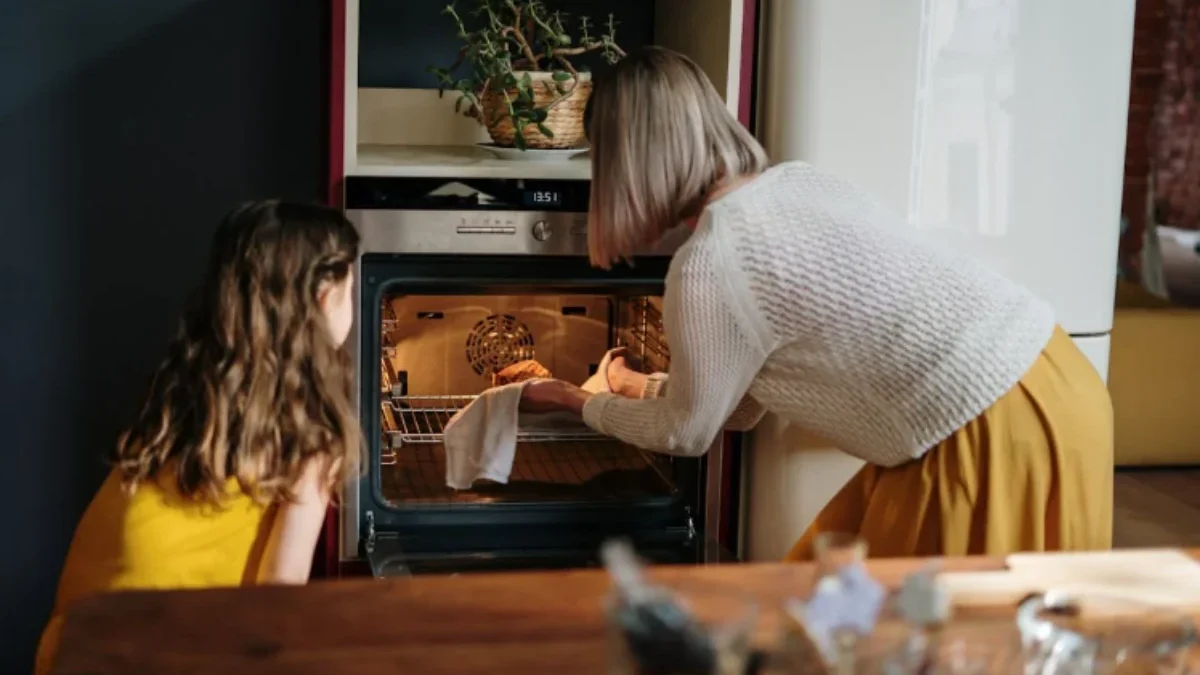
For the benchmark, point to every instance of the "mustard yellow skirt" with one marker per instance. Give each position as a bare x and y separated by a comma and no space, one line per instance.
1034,472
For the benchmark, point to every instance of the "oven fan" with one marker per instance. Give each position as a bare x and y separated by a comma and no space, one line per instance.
498,341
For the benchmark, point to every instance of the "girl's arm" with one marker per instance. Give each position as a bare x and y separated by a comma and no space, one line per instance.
294,531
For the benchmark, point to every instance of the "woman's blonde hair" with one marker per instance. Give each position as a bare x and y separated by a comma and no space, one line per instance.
661,137
253,386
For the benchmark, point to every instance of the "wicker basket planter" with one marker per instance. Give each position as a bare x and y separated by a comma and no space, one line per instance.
564,114
516,71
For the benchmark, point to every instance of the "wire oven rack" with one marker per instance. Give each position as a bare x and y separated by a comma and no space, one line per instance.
640,330
423,419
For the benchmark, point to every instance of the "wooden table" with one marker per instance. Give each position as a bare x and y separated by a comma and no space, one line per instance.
505,623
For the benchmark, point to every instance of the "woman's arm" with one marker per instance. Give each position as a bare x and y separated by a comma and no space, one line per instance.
630,383
294,531
719,342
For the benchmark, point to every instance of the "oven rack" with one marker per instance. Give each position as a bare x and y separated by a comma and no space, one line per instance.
641,332
422,419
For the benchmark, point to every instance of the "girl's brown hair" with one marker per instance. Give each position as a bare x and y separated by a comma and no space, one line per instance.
253,386
661,137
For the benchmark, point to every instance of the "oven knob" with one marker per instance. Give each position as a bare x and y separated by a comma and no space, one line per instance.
541,230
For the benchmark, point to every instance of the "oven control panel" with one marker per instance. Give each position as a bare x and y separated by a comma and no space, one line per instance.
473,216
542,229
509,233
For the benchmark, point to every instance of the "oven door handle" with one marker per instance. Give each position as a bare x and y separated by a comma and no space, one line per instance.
394,555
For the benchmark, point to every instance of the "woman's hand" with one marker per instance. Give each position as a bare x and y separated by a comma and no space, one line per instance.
542,396
623,380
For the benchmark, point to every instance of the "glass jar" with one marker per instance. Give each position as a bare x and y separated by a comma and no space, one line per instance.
1078,634
828,627
983,648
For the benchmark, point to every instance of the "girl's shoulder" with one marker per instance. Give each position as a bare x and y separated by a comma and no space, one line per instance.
160,498
152,538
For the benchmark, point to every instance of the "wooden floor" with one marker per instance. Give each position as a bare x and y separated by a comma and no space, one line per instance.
1159,507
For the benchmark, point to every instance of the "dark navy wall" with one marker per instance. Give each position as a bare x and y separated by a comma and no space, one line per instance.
398,40
126,128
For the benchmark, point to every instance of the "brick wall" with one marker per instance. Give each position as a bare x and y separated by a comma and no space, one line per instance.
1177,117
1149,33
1163,136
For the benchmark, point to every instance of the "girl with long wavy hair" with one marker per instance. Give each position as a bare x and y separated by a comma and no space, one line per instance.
225,474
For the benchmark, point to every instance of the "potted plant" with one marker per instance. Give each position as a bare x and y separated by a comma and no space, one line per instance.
516,76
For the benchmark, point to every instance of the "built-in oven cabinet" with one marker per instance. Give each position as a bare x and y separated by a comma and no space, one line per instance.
430,331
388,120
393,121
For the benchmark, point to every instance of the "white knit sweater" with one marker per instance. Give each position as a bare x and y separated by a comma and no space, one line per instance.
798,294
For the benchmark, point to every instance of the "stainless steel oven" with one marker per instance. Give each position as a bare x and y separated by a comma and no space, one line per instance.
458,278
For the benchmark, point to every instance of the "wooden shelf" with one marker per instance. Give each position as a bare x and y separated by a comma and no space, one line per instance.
461,161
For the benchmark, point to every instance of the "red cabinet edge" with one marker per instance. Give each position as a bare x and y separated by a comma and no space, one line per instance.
325,559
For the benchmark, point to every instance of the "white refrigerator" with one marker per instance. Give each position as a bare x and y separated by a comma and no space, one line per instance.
997,126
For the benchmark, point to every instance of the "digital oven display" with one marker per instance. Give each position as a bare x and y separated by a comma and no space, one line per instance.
543,198
467,194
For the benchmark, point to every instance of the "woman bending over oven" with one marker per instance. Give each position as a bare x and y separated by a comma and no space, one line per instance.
984,429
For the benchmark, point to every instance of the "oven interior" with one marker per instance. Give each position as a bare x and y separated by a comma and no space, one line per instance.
438,352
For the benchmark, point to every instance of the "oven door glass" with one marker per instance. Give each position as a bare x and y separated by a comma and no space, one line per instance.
441,330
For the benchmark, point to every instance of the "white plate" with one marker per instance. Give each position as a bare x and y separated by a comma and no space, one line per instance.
532,154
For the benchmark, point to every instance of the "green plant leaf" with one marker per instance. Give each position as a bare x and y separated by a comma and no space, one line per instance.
545,131
519,139
540,116
488,48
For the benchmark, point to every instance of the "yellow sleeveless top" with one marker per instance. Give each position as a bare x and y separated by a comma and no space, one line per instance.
154,539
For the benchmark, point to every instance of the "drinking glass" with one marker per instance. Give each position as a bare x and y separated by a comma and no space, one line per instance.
934,654
1078,634
836,597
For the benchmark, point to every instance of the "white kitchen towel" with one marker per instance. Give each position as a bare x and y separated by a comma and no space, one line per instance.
481,439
